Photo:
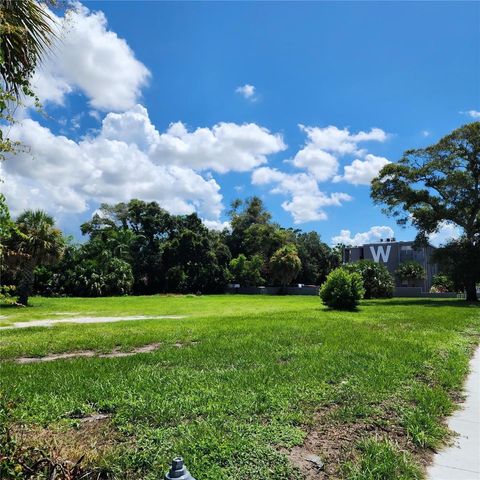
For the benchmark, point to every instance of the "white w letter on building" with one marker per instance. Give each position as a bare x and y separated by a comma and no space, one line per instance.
380,253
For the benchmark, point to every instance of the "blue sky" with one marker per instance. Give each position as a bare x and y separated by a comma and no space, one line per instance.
401,73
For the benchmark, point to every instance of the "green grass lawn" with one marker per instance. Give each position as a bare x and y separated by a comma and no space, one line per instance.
242,382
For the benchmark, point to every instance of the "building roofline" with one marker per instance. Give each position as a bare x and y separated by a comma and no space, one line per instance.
410,242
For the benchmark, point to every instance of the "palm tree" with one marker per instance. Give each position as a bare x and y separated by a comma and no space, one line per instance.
26,35
38,243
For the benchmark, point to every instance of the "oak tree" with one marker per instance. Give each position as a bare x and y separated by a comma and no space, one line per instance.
436,185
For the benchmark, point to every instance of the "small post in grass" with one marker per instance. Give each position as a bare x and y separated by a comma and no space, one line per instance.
178,471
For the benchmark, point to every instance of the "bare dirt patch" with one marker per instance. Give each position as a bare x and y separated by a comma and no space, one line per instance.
63,313
188,343
328,441
94,417
50,322
116,352
331,443
59,356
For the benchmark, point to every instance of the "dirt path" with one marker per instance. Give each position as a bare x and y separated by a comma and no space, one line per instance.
90,353
50,322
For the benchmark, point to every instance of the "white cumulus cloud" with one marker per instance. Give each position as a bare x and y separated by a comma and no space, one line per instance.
132,126
224,147
129,158
307,201
93,60
362,172
320,154
371,236
64,176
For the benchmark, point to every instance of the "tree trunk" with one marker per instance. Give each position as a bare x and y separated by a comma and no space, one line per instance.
26,283
471,290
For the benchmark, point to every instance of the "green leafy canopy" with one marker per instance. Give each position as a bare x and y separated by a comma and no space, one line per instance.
436,184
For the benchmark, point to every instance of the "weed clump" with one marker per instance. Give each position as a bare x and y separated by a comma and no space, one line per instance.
24,462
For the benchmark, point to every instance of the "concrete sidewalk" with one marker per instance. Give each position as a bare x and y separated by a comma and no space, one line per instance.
461,461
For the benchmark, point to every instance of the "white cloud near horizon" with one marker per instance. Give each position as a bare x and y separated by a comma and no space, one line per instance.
307,201
89,58
375,234
446,231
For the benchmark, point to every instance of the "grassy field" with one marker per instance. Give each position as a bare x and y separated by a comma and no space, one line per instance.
243,387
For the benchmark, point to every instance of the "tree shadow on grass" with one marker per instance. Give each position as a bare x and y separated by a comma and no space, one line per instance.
424,302
5,306
324,308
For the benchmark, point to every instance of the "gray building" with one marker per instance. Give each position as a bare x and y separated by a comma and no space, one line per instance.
392,253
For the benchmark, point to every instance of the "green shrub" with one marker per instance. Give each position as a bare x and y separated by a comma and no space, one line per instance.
342,290
377,281
441,284
7,294
410,270
94,279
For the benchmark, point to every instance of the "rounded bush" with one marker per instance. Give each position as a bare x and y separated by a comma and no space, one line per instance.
342,290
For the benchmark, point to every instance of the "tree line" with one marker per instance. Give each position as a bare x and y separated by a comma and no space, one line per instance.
139,248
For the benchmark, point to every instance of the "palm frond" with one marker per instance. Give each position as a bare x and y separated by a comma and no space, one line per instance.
26,34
